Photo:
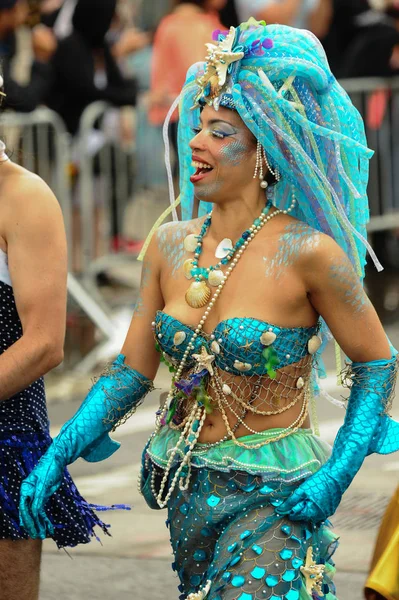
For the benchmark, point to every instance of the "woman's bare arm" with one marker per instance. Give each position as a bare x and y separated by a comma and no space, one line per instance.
33,229
337,295
139,346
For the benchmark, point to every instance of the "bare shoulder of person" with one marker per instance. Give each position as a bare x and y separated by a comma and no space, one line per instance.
170,241
296,240
22,190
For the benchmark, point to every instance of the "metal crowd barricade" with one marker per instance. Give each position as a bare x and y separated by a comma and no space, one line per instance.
106,177
40,142
383,138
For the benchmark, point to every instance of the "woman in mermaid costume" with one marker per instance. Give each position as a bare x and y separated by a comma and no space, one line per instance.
240,300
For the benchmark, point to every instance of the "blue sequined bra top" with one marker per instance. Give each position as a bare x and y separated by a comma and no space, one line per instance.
237,343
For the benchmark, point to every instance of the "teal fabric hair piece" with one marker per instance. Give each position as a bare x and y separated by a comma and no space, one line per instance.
285,93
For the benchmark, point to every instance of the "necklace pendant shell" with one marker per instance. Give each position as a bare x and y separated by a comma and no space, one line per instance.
226,389
187,268
314,344
198,294
191,242
179,338
215,278
267,338
224,248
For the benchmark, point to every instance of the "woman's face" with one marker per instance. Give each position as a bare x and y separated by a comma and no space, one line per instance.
224,152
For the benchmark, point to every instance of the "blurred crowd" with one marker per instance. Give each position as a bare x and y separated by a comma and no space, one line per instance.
67,54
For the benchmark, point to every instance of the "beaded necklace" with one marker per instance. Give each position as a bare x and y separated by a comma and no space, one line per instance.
195,420
199,294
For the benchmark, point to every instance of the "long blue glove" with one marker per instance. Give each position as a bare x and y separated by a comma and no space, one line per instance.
113,398
366,429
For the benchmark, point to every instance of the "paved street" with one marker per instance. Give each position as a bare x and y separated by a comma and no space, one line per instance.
134,563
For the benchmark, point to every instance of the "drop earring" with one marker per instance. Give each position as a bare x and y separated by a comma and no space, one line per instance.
276,172
259,166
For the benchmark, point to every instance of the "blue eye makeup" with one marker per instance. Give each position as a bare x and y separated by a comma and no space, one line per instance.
217,133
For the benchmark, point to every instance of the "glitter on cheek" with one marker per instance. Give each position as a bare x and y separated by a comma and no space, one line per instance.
233,153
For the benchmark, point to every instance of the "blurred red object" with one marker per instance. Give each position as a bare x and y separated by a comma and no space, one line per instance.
122,244
376,108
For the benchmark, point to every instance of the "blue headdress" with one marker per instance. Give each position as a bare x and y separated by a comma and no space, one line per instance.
278,80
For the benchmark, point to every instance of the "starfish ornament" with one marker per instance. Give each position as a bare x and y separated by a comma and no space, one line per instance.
313,574
218,60
204,360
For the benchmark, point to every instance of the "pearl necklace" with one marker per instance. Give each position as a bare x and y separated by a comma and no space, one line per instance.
195,420
199,294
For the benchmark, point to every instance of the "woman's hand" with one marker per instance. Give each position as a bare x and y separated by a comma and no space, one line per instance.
314,500
36,490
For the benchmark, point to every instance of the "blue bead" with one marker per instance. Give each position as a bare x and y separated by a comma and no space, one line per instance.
226,576
266,490
195,580
231,485
296,563
276,502
286,554
246,235
308,534
232,547
245,534
292,595
206,532
257,222
213,501
238,581
250,487
199,555
289,576
258,573
286,529
271,580
235,560
257,549
245,596
195,425
184,509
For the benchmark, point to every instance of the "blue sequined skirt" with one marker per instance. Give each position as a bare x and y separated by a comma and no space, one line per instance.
73,518
227,539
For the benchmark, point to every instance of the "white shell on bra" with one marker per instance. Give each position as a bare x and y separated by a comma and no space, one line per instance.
314,344
4,272
267,338
179,338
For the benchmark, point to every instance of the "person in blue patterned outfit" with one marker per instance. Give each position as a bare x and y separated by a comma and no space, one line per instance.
32,327
240,296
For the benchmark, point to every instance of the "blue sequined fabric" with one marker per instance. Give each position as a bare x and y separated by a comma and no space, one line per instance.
224,530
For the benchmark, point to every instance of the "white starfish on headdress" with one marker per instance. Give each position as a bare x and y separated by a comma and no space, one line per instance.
218,60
